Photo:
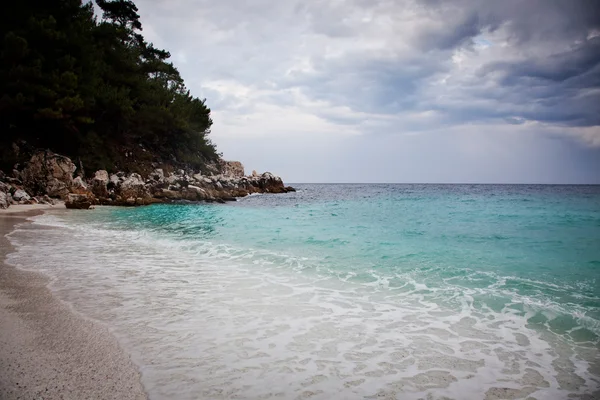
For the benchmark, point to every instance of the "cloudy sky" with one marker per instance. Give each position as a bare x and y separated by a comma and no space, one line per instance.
394,90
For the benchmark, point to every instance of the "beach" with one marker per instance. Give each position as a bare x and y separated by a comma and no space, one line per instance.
48,351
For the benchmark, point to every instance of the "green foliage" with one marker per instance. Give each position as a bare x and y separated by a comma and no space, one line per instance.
93,88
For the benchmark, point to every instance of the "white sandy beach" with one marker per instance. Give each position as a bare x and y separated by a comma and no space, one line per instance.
24,208
46,350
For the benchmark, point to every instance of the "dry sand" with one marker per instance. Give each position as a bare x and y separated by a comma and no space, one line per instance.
22,208
46,350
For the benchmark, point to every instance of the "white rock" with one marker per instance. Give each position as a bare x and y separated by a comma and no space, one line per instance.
198,177
50,173
101,176
21,195
158,174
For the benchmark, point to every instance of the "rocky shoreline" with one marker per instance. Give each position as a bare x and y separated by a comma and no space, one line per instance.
49,176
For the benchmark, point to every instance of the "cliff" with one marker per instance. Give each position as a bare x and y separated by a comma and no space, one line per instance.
49,176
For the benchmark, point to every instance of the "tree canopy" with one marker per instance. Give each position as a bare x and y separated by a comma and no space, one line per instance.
92,88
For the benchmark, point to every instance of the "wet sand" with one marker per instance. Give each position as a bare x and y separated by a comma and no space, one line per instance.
46,350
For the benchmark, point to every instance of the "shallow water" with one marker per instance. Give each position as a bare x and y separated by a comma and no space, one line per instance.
343,291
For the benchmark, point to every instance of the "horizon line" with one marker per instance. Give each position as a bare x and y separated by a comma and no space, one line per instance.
441,183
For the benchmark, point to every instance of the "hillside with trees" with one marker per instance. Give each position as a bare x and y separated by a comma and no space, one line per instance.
92,88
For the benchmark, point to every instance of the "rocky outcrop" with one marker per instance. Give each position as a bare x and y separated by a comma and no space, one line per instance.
48,173
131,189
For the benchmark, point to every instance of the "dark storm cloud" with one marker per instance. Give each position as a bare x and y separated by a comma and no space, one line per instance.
551,68
418,64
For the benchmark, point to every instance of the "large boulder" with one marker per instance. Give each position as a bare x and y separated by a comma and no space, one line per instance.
48,173
78,201
233,169
271,183
21,195
133,187
98,184
195,193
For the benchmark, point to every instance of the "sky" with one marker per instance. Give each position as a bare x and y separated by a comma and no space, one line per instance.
440,91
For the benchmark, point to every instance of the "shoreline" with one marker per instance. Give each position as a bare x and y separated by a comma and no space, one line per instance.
46,349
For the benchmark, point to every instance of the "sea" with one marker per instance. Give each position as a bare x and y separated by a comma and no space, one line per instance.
342,291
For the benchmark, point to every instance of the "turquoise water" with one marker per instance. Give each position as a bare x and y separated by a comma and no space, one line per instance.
344,291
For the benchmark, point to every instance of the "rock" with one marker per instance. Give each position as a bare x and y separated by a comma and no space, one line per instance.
289,189
233,169
158,174
171,179
43,199
196,189
4,200
254,173
194,193
78,201
166,194
21,195
133,187
271,183
198,177
79,186
99,183
240,193
48,173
